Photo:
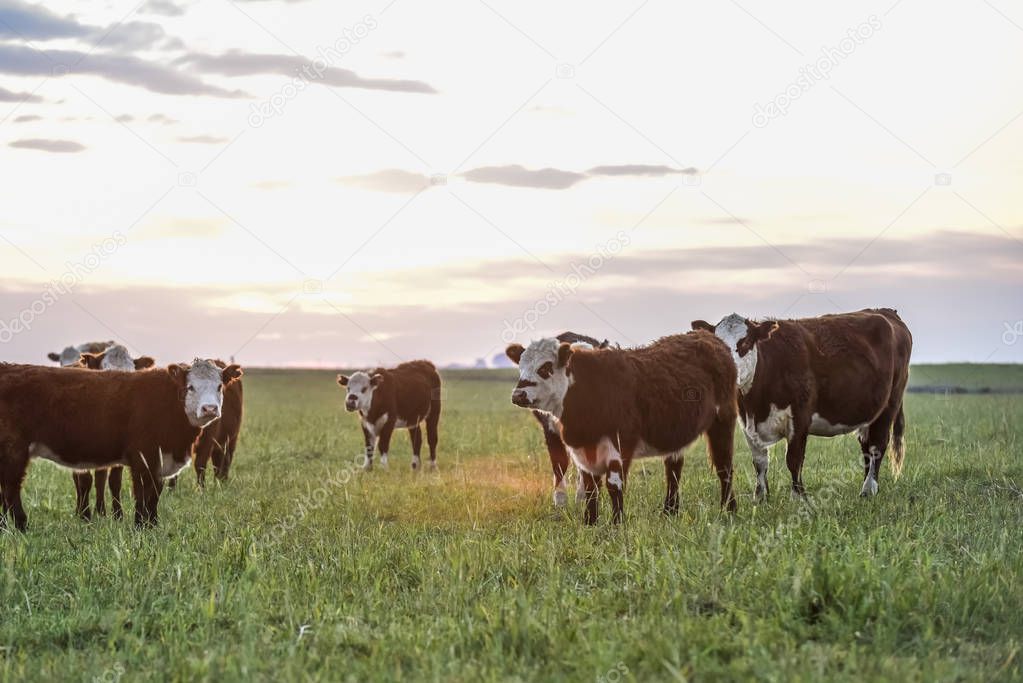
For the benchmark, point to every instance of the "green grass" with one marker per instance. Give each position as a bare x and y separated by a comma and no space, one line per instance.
996,376
302,568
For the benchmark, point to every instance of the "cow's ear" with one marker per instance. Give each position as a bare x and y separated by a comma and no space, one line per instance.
143,362
342,379
376,379
55,357
564,353
231,373
702,325
93,361
514,352
761,331
178,372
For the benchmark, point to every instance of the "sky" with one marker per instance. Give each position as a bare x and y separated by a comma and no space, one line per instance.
313,183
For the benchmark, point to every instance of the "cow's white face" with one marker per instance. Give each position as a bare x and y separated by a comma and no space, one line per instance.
360,387
117,358
543,378
741,336
204,384
69,356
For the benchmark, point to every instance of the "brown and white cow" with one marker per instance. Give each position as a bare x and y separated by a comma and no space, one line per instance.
552,432
118,359
81,419
219,440
820,376
71,354
403,396
614,405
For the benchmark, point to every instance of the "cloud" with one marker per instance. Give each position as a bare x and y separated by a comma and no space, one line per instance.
58,146
520,176
393,54
164,8
203,140
26,118
23,21
271,184
24,61
161,118
388,180
237,63
11,96
640,170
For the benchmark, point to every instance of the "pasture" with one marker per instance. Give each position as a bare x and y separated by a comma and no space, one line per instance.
304,568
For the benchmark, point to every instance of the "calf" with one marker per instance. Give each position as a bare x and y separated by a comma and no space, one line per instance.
71,354
403,396
552,433
219,440
614,405
88,420
823,377
115,358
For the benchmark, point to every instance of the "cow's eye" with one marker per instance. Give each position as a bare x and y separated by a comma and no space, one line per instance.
190,388
220,388
546,370
364,390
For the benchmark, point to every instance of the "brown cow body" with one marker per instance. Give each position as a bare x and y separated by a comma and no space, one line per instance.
556,450
403,396
88,420
115,358
615,405
822,376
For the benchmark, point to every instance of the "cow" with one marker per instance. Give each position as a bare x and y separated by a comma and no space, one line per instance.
614,405
219,440
552,433
71,354
82,419
403,396
115,358
820,376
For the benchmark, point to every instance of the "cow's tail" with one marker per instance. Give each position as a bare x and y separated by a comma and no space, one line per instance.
898,443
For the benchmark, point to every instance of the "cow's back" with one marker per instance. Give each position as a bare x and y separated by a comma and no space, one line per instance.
410,389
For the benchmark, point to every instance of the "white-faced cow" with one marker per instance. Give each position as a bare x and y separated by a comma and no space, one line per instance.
552,432
614,405
85,420
118,359
823,377
403,396
71,354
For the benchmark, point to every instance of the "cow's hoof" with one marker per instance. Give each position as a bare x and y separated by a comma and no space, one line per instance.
415,463
869,489
367,466
560,499
383,461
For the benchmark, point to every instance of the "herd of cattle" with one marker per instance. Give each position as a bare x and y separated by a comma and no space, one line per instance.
600,406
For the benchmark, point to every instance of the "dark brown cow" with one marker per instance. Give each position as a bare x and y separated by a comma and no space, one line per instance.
823,377
81,419
219,440
117,358
618,404
552,432
403,396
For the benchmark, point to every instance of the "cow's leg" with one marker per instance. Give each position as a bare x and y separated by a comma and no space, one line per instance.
873,443
616,485
83,486
222,465
672,475
146,487
559,458
116,473
101,490
370,440
384,443
201,459
592,486
721,444
172,482
13,465
416,435
760,462
795,453
432,422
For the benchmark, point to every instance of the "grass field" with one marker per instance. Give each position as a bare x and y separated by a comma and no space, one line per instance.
302,568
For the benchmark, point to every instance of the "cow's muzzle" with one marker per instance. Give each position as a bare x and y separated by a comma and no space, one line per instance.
520,399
